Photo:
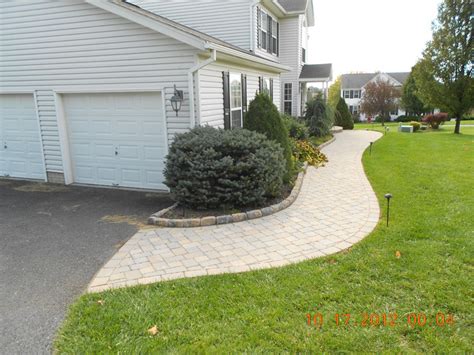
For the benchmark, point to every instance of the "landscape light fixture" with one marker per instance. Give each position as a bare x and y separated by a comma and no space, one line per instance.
177,100
370,148
388,197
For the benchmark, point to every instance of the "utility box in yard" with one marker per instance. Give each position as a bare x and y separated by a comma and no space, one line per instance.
405,129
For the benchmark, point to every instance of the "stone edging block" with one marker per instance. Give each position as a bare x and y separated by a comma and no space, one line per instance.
156,219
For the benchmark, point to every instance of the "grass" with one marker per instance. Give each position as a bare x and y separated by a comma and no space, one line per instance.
432,227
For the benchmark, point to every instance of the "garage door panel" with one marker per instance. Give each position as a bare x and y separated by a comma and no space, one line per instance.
131,124
20,141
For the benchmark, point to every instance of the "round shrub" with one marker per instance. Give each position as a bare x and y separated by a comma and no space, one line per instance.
434,120
263,117
416,125
295,128
213,168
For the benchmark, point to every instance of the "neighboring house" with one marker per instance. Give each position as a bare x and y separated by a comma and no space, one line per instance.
86,86
352,89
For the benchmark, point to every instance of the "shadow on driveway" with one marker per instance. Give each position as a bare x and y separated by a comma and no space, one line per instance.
53,239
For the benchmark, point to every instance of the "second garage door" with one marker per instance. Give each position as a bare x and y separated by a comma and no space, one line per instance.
117,139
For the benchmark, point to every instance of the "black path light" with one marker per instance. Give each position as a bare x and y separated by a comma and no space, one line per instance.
388,197
370,148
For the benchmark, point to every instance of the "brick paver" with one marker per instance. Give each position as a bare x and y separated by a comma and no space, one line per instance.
335,209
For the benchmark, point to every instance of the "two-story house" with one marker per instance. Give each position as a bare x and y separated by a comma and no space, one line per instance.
93,91
353,87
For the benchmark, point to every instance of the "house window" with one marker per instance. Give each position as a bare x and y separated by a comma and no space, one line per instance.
274,37
288,98
266,86
394,112
268,32
303,55
236,100
347,94
264,30
356,94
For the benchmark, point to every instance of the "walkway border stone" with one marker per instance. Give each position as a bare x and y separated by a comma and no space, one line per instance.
158,220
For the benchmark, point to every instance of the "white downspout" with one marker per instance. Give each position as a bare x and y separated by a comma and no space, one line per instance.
191,72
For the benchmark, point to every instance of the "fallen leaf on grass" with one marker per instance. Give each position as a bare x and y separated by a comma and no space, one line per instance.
153,330
398,254
101,302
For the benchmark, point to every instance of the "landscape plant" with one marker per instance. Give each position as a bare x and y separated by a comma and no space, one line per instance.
318,117
380,97
305,151
263,117
210,168
296,128
342,115
416,125
434,120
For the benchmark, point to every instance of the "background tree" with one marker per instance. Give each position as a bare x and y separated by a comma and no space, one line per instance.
334,93
410,101
379,98
342,115
444,74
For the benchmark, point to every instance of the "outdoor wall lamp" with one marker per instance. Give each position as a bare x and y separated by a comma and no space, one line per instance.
177,100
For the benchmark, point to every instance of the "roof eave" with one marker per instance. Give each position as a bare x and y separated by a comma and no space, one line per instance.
272,66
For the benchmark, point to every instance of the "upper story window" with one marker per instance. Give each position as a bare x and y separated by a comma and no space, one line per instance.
268,32
352,94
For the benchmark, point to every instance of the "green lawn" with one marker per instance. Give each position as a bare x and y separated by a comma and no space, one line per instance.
432,226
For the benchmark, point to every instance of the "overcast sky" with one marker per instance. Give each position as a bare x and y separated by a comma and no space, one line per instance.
370,35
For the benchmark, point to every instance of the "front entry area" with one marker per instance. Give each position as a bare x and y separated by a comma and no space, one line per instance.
116,139
21,154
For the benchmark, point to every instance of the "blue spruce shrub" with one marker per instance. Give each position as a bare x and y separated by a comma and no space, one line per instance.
210,168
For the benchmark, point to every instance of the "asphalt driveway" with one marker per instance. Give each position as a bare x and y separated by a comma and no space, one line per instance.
53,239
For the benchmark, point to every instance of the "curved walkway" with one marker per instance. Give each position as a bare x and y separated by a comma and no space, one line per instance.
335,209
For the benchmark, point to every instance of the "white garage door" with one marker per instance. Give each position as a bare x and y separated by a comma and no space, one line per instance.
117,139
21,155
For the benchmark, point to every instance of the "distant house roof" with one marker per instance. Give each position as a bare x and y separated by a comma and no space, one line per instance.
357,81
316,71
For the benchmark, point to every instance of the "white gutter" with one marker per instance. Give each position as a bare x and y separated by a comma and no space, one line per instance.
191,72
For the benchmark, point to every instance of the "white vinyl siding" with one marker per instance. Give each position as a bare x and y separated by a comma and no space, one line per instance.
290,54
55,46
226,20
211,90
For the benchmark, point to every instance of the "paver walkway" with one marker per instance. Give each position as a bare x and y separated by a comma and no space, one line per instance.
335,209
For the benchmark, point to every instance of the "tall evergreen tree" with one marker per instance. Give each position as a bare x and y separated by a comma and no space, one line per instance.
410,101
342,115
